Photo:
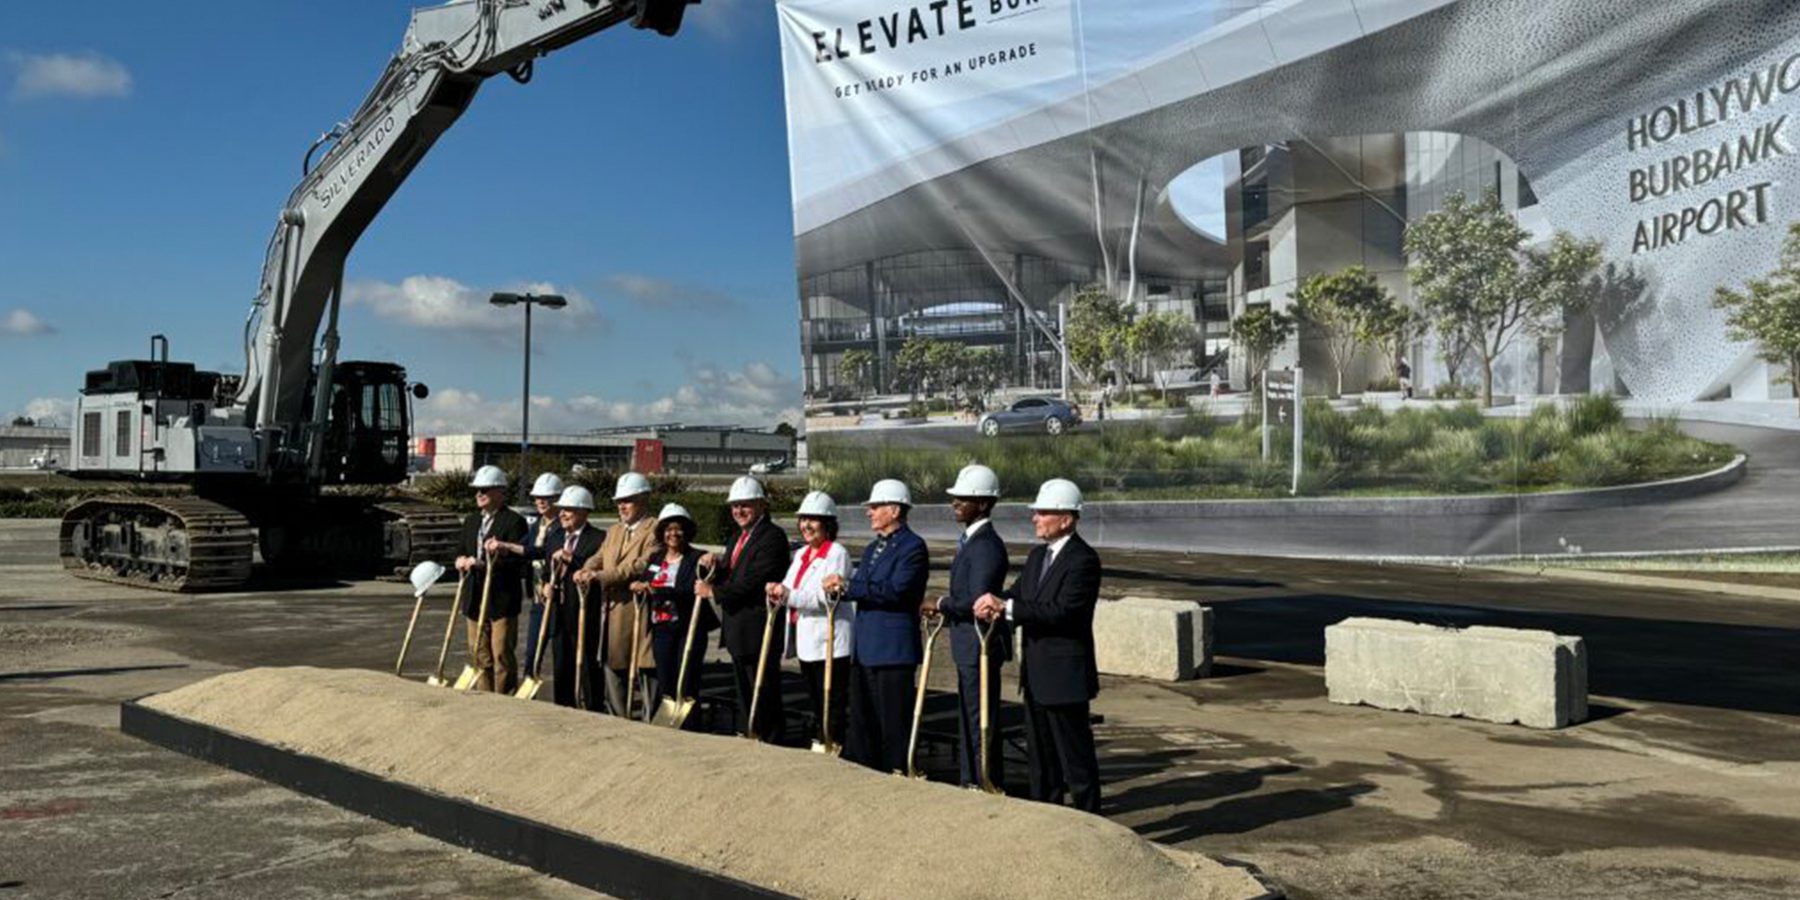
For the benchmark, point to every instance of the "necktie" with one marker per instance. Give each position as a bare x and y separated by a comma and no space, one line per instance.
962,540
569,542
739,548
1049,559
487,522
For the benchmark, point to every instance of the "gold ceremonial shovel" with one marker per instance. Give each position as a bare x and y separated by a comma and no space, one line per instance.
762,663
462,578
825,744
531,684
673,711
582,701
637,650
987,726
471,676
933,625
423,576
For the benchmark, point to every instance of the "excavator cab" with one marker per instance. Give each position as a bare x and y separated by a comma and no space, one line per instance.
369,427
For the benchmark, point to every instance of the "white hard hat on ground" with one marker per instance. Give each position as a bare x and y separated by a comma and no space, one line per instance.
576,497
819,504
673,511
488,477
548,485
631,484
889,490
1058,495
745,489
976,481
424,575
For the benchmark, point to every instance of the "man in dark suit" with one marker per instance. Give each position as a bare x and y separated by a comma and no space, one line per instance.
888,588
979,569
491,642
568,545
1052,601
755,555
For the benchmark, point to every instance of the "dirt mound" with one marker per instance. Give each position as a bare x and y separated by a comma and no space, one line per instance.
788,820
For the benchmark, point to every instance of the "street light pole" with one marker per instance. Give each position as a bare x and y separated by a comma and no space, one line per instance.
549,301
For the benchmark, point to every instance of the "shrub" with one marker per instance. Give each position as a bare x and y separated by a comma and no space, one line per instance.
1593,414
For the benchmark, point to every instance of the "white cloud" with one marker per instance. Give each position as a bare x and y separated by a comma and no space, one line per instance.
756,397
438,302
23,323
85,75
58,411
661,293
719,18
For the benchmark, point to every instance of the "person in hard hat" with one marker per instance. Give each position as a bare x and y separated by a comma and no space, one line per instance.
802,592
622,558
491,643
544,538
757,553
568,547
888,589
1052,602
979,568
669,580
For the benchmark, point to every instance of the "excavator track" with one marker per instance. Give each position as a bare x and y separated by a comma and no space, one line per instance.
418,532
175,544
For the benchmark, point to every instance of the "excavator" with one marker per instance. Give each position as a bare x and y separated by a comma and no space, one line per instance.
260,449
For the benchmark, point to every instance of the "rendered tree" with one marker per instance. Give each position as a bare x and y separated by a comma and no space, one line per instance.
1767,312
857,368
1159,340
1259,331
912,365
1343,306
1098,336
1476,281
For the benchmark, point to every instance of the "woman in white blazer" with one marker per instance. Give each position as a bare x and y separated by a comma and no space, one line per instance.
803,594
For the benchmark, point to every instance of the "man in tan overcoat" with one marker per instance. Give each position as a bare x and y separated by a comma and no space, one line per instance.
622,559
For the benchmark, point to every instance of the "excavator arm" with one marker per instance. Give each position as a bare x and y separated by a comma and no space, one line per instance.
448,52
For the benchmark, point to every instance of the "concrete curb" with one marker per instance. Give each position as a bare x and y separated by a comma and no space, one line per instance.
1095,515
1631,579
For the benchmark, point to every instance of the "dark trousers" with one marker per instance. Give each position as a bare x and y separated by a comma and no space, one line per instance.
1060,743
968,697
563,690
768,712
840,694
881,702
665,645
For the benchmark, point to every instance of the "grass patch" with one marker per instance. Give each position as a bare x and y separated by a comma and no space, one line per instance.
1363,452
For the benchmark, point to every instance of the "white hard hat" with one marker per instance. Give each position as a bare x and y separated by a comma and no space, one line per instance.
424,575
548,485
488,477
889,490
746,488
673,511
1058,495
576,497
976,481
631,484
819,504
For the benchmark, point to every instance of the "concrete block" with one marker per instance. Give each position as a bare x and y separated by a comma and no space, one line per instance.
1534,678
1147,637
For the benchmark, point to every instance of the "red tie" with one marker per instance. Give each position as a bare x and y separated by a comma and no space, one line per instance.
739,548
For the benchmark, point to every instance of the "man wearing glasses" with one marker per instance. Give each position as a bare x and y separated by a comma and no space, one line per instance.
491,642
755,554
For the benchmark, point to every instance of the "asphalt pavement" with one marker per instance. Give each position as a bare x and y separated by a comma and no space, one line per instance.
1685,783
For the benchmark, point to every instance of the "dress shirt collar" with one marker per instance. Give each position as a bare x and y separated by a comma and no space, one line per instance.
972,529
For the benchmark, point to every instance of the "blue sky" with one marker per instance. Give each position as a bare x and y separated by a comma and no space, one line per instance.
144,154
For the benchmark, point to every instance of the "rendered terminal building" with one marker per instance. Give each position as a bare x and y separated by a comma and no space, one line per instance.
1284,140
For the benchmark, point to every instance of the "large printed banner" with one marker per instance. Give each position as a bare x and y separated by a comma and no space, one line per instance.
1525,257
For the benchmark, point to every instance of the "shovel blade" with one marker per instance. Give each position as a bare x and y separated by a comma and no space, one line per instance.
672,712
528,689
827,749
468,679
435,681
